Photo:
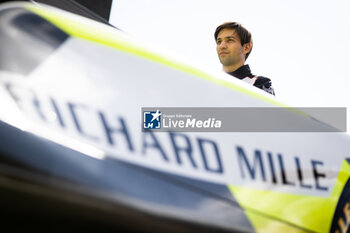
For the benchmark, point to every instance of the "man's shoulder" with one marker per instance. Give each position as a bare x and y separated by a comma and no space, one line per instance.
265,84
262,81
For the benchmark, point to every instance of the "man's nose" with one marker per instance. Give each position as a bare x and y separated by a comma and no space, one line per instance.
223,45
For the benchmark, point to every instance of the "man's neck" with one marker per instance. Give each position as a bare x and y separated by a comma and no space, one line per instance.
242,72
232,68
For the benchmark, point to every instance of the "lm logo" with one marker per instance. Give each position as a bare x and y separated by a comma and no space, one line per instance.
151,120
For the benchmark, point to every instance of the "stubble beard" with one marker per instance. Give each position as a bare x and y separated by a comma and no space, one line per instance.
226,61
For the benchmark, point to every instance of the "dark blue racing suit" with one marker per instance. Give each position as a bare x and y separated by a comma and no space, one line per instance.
244,73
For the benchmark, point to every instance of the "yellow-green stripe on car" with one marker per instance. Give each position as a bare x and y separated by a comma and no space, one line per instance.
309,212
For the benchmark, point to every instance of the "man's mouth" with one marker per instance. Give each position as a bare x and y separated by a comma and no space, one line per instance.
223,53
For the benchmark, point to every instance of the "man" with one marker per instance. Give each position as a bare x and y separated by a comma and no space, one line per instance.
233,45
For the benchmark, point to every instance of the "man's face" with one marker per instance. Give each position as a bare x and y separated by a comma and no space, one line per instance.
230,51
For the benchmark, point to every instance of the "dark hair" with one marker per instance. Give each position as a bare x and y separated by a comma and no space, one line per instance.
244,35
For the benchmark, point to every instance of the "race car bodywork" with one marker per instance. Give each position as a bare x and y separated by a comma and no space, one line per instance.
71,95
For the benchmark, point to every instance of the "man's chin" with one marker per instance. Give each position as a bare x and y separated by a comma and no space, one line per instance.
225,62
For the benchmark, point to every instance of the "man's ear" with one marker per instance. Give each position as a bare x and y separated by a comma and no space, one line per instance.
247,47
